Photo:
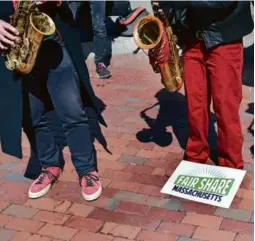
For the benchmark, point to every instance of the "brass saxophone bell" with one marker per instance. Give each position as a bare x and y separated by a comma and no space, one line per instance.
148,32
155,34
42,23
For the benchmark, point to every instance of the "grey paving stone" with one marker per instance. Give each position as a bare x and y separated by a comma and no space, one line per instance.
9,165
249,167
16,177
156,202
130,196
20,211
186,239
124,108
133,99
173,204
132,159
241,215
252,218
6,234
111,204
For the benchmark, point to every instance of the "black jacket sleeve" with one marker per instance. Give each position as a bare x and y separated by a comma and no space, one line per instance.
196,4
6,9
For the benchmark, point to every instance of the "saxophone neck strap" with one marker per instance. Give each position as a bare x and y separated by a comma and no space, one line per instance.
15,4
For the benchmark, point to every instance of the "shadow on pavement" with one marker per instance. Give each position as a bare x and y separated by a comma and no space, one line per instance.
172,111
248,66
248,80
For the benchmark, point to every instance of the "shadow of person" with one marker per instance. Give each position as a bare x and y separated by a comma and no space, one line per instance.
250,129
172,111
248,66
248,80
96,132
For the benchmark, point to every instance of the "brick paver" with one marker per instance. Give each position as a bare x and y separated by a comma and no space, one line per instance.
131,207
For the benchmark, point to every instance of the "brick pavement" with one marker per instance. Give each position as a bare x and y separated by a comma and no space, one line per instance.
131,207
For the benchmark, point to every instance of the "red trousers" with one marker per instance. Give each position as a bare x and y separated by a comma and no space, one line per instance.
214,74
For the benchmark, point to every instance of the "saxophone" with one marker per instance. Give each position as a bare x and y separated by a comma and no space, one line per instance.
155,34
32,25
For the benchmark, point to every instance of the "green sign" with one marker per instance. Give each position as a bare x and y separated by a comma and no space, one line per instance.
220,186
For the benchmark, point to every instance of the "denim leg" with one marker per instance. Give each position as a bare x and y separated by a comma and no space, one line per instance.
63,87
101,42
47,150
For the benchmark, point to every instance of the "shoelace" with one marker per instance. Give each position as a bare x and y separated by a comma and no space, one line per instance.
90,179
45,174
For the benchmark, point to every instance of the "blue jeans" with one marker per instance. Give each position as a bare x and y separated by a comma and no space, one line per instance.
101,42
54,84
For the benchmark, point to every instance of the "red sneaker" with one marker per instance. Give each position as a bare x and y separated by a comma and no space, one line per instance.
91,186
43,183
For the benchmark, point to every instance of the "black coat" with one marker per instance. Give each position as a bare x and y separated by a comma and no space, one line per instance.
11,97
219,22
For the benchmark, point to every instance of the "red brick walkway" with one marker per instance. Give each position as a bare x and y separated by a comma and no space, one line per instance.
131,207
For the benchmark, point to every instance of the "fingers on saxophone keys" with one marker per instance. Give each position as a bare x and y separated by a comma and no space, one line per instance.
2,46
10,28
10,39
6,41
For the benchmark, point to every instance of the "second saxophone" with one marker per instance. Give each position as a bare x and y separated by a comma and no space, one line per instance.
155,34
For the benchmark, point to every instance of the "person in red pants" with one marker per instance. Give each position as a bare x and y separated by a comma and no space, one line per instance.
211,35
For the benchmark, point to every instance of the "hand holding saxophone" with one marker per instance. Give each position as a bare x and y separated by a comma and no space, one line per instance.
32,25
8,35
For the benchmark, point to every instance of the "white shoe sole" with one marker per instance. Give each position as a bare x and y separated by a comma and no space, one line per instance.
34,195
94,196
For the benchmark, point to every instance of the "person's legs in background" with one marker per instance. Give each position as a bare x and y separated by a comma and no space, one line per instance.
101,40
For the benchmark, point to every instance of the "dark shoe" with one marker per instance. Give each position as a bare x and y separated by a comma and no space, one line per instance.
102,71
